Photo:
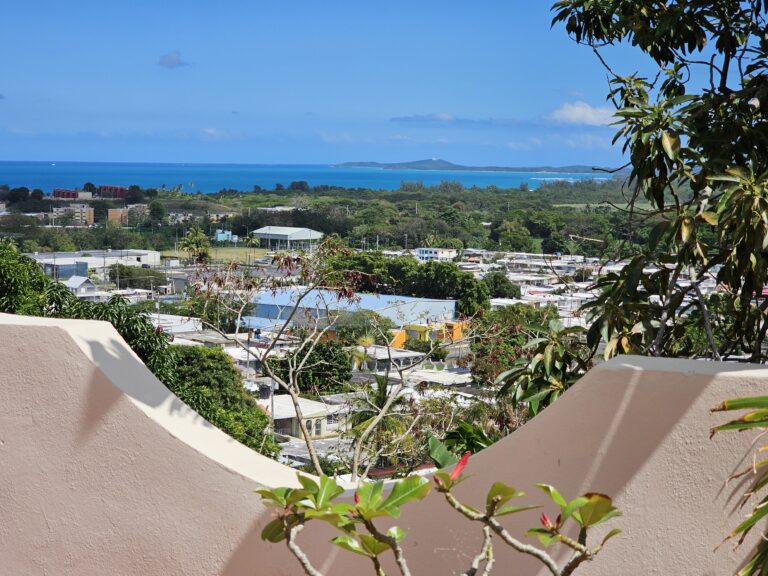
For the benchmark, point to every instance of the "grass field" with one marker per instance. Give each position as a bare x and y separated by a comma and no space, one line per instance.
225,254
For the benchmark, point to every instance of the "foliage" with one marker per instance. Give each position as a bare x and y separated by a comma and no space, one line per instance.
134,277
501,336
436,352
326,369
385,442
196,244
209,383
24,289
356,522
558,359
500,286
352,326
697,139
405,276
21,282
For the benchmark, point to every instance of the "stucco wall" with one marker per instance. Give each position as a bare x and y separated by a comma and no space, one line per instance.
103,471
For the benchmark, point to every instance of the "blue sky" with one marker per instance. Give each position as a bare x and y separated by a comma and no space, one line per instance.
476,83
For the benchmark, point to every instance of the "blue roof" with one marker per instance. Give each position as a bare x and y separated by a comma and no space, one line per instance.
399,309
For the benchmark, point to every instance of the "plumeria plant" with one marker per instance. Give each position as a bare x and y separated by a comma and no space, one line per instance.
359,533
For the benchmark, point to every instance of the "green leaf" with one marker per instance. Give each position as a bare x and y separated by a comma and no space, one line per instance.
327,491
552,492
671,144
502,493
372,546
308,484
274,531
598,508
397,533
440,455
369,494
742,403
351,544
405,490
573,505
515,509
610,535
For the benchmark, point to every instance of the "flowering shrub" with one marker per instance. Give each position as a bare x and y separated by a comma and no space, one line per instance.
359,533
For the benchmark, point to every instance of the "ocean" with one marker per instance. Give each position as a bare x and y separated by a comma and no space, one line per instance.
208,178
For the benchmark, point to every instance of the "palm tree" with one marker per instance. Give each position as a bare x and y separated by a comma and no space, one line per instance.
252,242
196,244
393,425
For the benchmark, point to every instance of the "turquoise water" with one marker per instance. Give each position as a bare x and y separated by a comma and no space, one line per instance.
214,177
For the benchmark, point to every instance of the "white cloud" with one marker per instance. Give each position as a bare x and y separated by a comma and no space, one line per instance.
582,113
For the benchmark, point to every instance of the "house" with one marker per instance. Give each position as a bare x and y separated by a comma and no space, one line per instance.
451,331
322,420
383,359
287,238
81,286
439,254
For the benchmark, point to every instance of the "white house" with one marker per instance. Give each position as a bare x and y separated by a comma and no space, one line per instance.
440,254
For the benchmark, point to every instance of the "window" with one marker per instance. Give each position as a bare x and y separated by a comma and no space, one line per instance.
308,424
318,427
332,419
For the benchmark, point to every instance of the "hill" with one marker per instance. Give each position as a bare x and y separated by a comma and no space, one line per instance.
438,164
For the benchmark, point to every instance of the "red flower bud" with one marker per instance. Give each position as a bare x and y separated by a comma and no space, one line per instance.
460,465
545,521
559,521
357,498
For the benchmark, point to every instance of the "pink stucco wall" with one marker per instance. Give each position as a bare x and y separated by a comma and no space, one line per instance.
104,471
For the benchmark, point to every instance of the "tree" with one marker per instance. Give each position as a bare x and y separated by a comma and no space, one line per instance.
392,426
500,286
157,212
351,326
501,337
196,244
554,244
133,277
89,187
514,236
697,140
209,383
327,370
21,282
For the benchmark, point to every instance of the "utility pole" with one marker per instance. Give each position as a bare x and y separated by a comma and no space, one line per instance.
406,241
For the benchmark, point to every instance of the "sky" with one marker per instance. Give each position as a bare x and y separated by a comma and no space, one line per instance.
303,82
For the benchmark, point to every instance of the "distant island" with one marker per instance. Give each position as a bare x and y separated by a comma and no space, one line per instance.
438,164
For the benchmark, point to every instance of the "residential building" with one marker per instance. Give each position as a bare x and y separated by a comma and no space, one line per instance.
117,192
384,359
80,214
322,420
2,207
118,216
80,285
439,254
288,238
65,194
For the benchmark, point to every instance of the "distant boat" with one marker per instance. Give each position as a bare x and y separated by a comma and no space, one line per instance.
53,163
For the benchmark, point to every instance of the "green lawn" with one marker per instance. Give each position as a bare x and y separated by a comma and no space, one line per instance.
225,254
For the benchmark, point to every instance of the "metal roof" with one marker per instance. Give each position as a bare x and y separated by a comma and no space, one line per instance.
77,281
287,233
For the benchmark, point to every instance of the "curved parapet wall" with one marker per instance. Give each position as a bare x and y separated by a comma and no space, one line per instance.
104,471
